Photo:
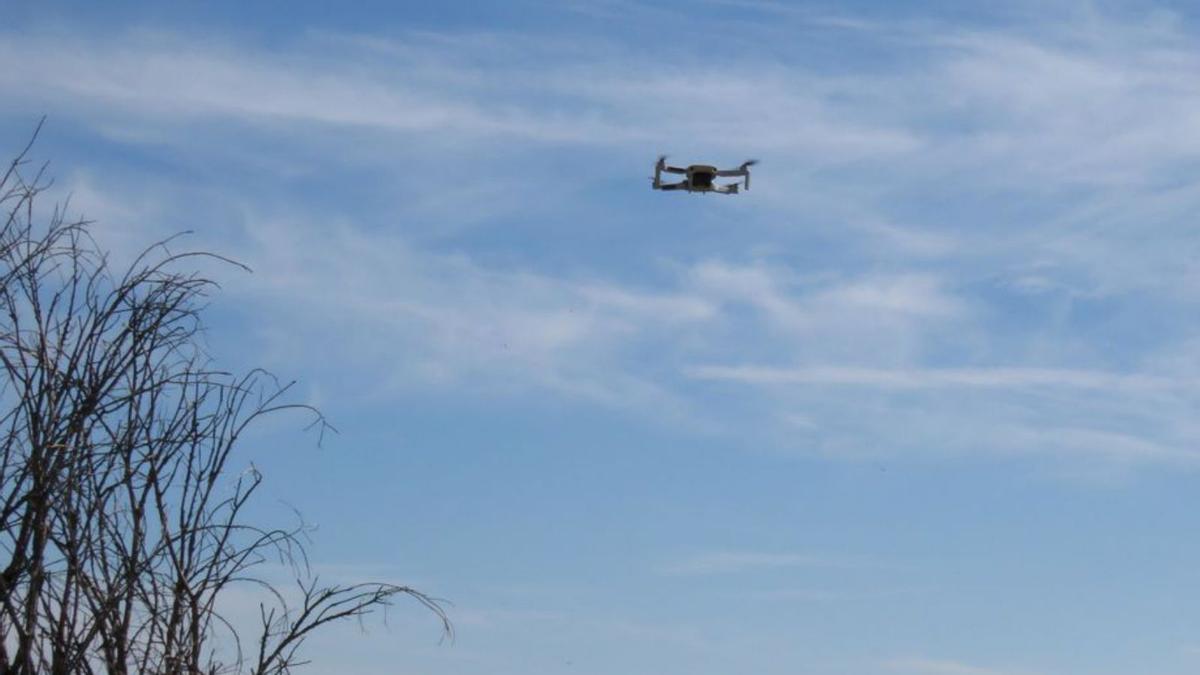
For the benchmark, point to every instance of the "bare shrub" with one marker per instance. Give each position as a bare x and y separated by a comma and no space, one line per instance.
120,517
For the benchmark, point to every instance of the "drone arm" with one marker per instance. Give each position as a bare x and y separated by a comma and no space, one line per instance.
736,172
661,165
742,171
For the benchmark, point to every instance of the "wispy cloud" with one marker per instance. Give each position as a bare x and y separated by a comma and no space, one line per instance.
1055,158
921,666
421,84
931,378
445,319
730,562
169,76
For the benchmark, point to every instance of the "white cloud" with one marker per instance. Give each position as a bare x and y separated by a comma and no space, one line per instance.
171,77
910,294
444,318
799,304
421,84
1106,105
921,666
1108,101
728,562
1073,139
930,378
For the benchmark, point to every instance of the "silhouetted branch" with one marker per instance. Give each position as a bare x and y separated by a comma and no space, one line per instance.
122,519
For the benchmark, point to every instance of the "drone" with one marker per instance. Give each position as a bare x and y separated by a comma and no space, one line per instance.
700,177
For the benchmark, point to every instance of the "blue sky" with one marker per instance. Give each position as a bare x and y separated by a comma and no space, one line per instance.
921,402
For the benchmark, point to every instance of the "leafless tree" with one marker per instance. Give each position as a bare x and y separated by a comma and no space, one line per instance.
122,518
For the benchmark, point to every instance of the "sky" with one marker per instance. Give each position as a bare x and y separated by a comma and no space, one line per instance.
923,401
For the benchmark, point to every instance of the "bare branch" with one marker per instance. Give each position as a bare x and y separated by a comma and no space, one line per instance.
122,503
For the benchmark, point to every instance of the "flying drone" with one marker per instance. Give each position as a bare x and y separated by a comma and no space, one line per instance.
700,177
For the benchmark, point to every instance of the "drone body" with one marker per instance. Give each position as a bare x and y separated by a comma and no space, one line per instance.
699,177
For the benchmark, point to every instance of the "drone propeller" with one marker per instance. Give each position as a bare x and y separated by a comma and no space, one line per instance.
749,162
